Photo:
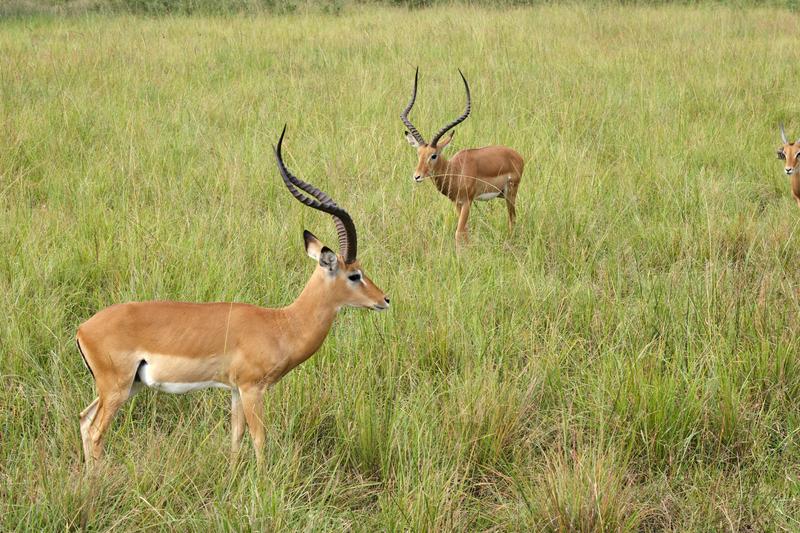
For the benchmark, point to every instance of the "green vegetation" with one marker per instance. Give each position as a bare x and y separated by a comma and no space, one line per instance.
627,360
231,7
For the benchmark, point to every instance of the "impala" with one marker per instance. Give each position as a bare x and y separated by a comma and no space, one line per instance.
472,174
790,152
178,347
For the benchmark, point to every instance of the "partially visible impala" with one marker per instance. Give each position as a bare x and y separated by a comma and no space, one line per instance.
790,152
178,347
472,174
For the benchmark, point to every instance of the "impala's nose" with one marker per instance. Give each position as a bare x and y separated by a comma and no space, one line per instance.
417,178
382,307
789,170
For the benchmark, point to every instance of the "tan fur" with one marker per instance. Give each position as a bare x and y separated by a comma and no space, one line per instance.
791,157
470,174
245,347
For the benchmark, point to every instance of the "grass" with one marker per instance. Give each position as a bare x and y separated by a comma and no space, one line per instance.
626,361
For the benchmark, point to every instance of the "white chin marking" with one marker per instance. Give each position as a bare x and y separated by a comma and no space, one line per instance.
175,387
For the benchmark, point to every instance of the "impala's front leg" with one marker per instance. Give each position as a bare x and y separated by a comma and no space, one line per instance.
510,194
461,231
252,398
237,424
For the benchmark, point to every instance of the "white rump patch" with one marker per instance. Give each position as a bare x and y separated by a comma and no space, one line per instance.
146,375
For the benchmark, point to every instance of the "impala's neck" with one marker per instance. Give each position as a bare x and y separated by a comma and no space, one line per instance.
796,184
310,317
442,175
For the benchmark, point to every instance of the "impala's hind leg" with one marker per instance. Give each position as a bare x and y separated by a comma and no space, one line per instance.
87,416
108,404
113,392
114,376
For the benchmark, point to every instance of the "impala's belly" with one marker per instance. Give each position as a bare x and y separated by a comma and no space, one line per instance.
494,190
177,375
488,196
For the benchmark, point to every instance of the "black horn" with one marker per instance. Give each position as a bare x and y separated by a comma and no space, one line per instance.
460,119
345,229
404,115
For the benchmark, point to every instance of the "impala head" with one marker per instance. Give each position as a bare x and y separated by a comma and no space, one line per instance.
790,153
430,154
344,280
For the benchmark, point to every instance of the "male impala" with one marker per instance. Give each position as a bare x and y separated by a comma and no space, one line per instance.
790,152
472,174
177,347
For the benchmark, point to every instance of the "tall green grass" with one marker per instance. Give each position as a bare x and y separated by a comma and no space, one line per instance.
626,361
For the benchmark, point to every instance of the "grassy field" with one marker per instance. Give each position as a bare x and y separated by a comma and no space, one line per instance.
627,360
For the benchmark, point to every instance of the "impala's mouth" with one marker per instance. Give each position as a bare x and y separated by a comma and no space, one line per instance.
380,307
418,179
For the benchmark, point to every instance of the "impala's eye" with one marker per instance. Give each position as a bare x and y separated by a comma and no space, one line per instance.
355,277
433,157
781,155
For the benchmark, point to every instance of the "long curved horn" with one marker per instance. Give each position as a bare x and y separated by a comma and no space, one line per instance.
457,121
345,229
783,136
404,115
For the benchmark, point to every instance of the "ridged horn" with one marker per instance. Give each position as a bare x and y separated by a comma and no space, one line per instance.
460,119
404,115
345,229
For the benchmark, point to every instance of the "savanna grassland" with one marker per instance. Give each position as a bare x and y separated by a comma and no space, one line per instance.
628,360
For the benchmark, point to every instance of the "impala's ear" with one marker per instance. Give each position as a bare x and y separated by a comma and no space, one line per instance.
412,140
313,246
328,260
442,144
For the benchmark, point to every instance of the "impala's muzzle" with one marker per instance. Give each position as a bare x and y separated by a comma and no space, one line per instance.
417,178
382,307
789,171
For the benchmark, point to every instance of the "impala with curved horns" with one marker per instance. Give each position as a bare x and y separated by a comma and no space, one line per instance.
472,174
178,347
790,152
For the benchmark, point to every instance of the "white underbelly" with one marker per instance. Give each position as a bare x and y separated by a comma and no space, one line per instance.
488,196
146,375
